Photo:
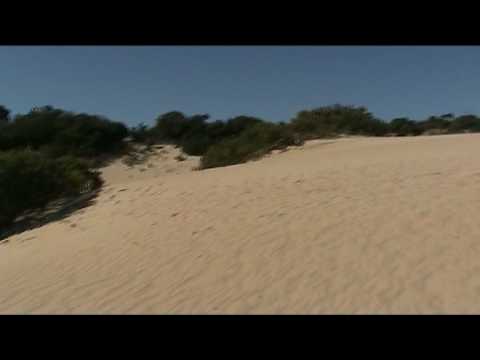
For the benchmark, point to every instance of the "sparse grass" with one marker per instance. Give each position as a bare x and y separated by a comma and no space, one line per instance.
137,154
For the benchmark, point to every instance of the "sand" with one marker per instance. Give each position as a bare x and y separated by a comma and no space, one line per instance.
350,226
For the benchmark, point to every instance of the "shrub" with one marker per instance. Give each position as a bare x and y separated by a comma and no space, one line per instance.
201,137
193,134
140,133
196,144
435,124
175,126
4,115
337,119
250,144
59,133
30,180
404,127
465,123
235,126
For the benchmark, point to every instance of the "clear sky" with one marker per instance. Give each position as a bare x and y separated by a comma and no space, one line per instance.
134,84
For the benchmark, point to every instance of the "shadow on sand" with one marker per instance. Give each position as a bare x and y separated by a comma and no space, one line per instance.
54,211
64,207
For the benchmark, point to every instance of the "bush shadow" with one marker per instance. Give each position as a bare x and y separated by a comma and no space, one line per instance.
55,211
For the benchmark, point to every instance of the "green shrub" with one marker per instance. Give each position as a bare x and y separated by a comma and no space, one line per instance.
4,115
434,124
140,133
250,144
174,126
193,133
338,119
60,133
30,180
465,123
405,127
196,144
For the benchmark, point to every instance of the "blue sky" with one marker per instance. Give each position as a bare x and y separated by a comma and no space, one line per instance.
134,84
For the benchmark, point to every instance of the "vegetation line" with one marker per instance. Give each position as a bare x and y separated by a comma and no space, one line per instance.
49,153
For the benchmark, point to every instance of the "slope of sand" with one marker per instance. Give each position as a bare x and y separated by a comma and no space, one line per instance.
363,225
157,164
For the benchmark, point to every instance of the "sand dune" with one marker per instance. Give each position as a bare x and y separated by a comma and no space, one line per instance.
362,225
